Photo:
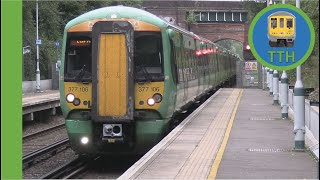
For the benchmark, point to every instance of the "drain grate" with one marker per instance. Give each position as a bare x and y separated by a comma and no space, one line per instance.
262,119
267,150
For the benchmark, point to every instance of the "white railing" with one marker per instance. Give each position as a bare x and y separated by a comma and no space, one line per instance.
311,123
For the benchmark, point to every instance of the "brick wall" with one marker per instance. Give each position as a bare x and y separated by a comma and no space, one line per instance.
177,10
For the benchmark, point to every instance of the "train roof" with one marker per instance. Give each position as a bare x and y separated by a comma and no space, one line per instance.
127,12
281,13
134,13
119,12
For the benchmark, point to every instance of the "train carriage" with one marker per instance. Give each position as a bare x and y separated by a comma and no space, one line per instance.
126,73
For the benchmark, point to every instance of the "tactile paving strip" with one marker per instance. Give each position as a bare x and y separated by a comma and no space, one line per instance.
268,150
263,119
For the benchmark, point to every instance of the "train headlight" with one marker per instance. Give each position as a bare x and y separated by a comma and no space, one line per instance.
157,97
84,140
151,101
70,97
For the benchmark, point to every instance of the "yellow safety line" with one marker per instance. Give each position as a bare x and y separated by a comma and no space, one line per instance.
216,163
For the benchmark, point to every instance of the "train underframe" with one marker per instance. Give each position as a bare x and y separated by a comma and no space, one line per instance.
282,43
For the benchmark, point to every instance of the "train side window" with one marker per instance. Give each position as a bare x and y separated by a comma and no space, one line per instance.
173,62
273,22
289,23
281,22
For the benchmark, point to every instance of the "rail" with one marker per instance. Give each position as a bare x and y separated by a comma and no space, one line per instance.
71,168
52,149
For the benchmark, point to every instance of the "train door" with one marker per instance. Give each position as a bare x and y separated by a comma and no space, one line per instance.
112,67
282,29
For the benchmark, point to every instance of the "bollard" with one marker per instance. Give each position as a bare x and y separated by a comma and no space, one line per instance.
284,95
279,91
275,81
267,77
263,82
271,82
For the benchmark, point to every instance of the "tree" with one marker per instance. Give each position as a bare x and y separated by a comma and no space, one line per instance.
53,16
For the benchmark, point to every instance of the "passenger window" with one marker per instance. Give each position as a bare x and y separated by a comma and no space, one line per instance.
273,22
281,22
173,62
289,23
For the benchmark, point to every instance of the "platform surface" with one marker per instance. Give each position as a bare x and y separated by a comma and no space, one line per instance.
261,144
236,134
30,99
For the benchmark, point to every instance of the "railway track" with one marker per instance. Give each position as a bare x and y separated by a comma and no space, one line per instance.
41,139
70,169
43,132
44,153
44,144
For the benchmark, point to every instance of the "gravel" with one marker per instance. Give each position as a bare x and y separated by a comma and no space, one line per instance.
314,96
43,167
30,127
109,167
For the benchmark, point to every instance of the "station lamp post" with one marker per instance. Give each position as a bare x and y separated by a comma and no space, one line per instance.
38,42
299,109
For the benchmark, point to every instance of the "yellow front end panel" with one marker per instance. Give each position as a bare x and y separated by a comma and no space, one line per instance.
80,91
281,32
112,76
145,91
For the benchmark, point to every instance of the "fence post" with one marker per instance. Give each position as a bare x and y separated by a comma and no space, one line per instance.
271,82
275,88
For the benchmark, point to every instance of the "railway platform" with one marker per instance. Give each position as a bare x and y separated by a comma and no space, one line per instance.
35,102
235,134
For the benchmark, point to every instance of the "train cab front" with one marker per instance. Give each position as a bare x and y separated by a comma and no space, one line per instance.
113,87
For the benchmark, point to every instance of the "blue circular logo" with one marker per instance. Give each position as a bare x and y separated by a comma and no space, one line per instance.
281,37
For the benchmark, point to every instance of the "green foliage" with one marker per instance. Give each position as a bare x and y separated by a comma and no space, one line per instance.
191,19
233,45
253,8
53,16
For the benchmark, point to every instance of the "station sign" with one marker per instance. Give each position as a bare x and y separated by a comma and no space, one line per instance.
281,37
26,50
251,66
38,42
57,44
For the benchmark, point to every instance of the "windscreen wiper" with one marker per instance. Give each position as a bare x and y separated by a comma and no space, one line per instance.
80,75
145,73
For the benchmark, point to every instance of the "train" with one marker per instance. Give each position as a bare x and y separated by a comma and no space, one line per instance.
281,29
126,75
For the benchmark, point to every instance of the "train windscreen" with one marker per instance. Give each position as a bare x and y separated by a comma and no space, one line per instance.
281,22
289,23
273,22
148,56
78,57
